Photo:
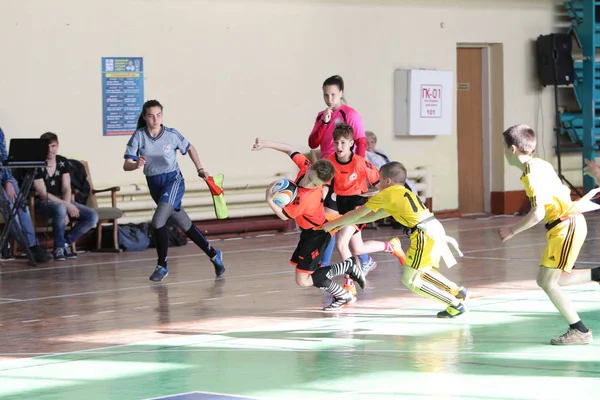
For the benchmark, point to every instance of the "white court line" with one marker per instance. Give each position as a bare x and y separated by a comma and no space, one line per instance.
135,260
225,253
544,243
496,227
523,259
506,298
144,287
180,283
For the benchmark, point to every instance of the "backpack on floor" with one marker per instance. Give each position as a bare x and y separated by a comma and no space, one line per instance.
133,237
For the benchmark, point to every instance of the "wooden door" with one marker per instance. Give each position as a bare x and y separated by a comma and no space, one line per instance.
470,130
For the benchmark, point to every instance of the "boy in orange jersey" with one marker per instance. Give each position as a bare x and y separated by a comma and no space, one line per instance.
428,241
352,172
308,211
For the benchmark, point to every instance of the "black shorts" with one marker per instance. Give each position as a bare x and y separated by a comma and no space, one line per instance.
346,204
329,200
310,249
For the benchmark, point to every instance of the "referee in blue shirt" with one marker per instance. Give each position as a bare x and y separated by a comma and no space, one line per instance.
153,147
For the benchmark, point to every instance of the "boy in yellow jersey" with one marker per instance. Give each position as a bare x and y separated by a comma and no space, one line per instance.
551,202
428,241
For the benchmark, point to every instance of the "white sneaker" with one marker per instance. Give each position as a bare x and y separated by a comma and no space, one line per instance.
573,336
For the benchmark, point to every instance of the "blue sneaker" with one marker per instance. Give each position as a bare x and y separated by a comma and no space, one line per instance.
159,274
368,266
218,263
464,294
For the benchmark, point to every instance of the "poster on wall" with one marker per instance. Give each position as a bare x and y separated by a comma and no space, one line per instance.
122,94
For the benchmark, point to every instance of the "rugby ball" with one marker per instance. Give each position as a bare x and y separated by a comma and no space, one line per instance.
285,192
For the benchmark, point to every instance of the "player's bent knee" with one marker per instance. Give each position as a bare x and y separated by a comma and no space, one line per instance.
543,282
357,249
411,279
539,281
547,278
319,277
303,279
408,282
158,223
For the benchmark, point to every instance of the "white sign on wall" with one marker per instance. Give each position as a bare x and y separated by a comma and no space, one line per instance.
431,101
423,102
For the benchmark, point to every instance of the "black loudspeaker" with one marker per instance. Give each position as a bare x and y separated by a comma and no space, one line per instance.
554,60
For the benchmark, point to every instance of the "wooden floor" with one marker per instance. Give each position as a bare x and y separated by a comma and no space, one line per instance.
100,301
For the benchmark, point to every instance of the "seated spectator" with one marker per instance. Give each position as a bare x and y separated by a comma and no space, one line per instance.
379,158
52,187
375,156
22,222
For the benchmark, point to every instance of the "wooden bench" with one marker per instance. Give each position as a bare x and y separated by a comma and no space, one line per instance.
245,199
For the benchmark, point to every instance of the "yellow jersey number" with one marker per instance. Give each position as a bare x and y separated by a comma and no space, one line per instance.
413,205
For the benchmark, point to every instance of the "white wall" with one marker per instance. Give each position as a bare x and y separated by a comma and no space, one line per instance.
228,71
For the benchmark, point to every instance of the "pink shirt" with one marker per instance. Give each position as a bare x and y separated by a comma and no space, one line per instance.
322,134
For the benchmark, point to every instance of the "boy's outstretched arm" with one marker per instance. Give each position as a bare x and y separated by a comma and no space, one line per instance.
260,144
360,215
533,217
592,169
373,216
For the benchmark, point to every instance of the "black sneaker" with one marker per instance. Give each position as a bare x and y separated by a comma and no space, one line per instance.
69,253
356,273
59,254
40,255
452,311
7,254
339,303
